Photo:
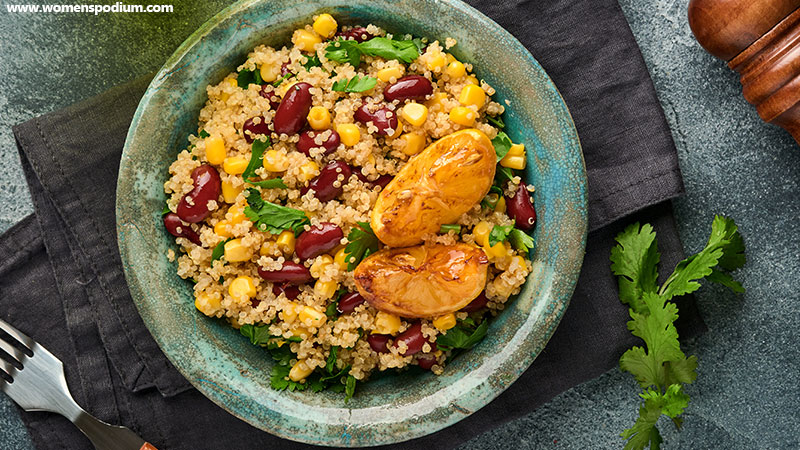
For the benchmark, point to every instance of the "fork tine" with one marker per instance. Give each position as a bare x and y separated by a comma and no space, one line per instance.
12,351
18,335
7,367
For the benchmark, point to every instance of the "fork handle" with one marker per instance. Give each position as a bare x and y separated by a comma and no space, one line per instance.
109,437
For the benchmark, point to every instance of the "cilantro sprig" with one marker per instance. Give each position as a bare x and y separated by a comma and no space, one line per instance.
349,51
660,367
247,77
271,217
362,243
518,239
502,144
256,160
355,84
465,335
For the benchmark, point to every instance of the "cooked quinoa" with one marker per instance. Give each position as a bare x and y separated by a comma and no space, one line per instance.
232,288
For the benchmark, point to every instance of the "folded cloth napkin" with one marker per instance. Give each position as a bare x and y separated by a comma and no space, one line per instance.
61,279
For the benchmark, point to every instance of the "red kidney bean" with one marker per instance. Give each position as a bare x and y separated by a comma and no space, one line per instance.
410,87
521,209
323,184
381,181
349,302
250,129
291,292
426,362
254,302
378,342
291,114
413,338
358,34
193,207
285,69
318,240
269,93
383,118
291,272
177,228
306,142
479,302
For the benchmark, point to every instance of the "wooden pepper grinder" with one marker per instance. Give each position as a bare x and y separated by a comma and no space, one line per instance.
760,39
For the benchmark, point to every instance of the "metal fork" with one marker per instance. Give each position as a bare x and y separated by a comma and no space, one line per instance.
34,378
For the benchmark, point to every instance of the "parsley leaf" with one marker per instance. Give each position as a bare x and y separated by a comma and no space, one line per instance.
219,250
355,84
499,233
496,121
248,77
350,388
520,240
444,229
203,134
362,243
271,217
502,144
461,336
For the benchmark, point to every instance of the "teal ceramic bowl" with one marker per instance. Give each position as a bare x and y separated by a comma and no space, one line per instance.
392,408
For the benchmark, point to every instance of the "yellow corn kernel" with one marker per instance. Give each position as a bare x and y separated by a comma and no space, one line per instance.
232,81
462,116
230,192
450,58
388,73
415,114
397,130
300,371
236,214
286,242
340,259
500,206
285,86
242,288
437,62
299,331
325,289
270,248
270,72
415,143
472,80
222,229
208,304
455,69
234,165
436,100
349,133
308,171
386,323
445,322
310,317
516,150
215,150
513,162
236,252
319,118
275,161
481,233
289,312
305,40
472,95
325,25
320,265
495,252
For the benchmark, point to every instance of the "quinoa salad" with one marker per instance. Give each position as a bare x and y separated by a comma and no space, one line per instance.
351,203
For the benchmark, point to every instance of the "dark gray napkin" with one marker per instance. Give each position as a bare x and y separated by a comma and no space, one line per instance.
61,279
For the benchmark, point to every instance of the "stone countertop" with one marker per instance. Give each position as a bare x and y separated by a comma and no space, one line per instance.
749,374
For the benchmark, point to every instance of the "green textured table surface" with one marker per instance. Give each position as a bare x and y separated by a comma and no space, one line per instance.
749,374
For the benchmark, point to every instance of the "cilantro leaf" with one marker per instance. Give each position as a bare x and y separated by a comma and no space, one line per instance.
635,261
724,240
271,217
362,243
462,337
644,431
496,121
313,61
520,240
350,388
256,158
499,234
330,364
490,201
344,51
355,84
278,82
165,210
258,335
502,144
502,176
247,77
219,250
203,134
279,379
444,229
405,51
272,183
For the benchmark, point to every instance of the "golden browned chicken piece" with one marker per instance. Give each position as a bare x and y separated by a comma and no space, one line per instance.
422,281
435,188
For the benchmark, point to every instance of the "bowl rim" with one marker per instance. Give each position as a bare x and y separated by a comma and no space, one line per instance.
138,291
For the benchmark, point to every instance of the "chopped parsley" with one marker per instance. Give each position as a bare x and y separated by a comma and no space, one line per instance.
463,336
520,240
499,233
355,84
248,77
273,218
256,160
313,61
203,134
362,243
219,250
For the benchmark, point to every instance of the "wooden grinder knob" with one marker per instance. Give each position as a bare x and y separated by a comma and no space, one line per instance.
760,39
